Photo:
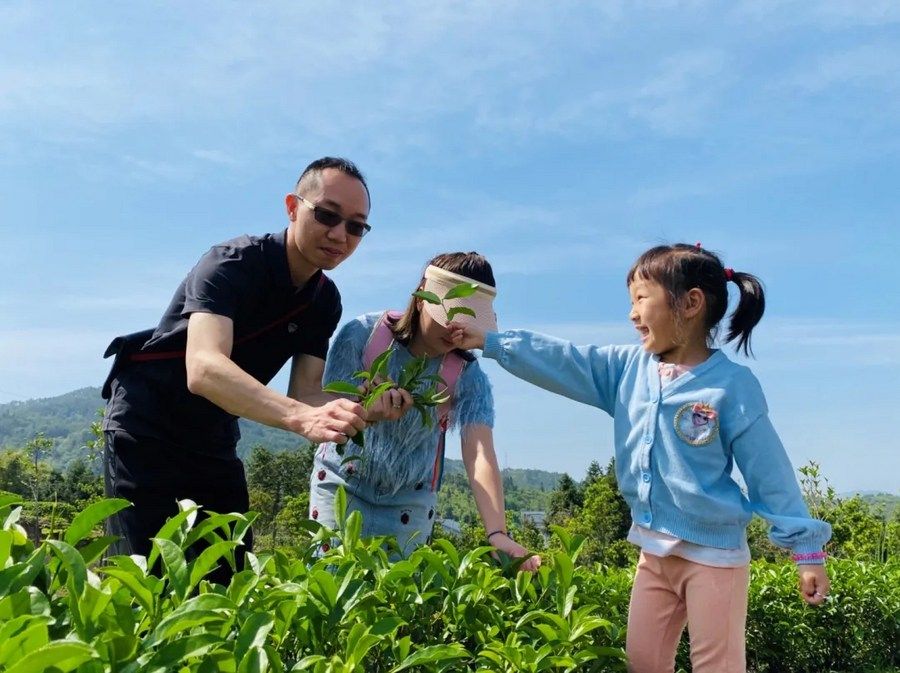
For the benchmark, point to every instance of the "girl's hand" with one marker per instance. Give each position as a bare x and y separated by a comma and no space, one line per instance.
507,545
814,584
466,336
390,406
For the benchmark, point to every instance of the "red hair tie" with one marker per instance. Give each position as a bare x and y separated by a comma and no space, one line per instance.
698,245
729,274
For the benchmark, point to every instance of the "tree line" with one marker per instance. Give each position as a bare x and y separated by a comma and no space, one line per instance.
592,508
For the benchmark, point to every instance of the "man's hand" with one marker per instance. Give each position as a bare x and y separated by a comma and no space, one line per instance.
465,336
512,548
390,406
814,584
334,421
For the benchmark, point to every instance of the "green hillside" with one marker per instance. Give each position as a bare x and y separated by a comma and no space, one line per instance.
66,419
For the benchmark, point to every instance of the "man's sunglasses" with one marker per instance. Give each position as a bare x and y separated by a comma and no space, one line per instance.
332,219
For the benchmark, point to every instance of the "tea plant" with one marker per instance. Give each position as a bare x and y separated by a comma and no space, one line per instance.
62,608
351,609
424,388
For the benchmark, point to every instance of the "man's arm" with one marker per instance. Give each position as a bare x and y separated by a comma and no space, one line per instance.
306,386
212,374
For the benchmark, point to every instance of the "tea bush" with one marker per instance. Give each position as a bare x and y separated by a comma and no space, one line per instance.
326,607
337,603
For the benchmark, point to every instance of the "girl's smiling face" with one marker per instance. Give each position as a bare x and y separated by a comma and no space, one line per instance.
653,316
675,335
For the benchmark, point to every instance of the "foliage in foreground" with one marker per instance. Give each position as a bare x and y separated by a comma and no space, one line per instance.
347,609
337,603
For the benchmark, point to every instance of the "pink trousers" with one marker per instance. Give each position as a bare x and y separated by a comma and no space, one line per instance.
670,592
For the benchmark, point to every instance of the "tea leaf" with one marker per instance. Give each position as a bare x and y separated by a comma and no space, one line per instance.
459,310
342,388
430,297
90,516
461,291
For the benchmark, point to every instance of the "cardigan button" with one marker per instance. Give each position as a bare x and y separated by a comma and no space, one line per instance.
647,517
645,476
648,439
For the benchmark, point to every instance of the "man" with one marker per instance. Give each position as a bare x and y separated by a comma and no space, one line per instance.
247,307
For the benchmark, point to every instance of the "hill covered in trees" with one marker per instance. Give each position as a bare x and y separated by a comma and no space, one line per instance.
66,421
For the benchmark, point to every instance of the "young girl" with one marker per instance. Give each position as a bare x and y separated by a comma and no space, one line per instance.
684,414
394,485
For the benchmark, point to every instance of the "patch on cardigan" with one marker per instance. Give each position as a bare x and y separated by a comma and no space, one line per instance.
697,423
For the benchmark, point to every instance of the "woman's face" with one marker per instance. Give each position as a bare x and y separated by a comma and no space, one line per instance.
434,338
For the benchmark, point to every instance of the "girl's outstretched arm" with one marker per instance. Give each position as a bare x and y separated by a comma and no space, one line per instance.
487,486
588,374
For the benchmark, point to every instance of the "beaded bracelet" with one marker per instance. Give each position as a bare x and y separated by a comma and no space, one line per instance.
811,556
496,532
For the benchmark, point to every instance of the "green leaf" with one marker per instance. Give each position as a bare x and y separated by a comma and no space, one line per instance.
24,573
308,662
195,645
342,388
380,364
94,549
76,570
253,633
352,530
340,506
175,565
202,609
173,528
459,310
377,392
351,458
359,439
208,559
359,642
461,291
27,601
241,585
387,626
7,498
255,661
90,516
433,654
60,656
22,635
135,583
430,297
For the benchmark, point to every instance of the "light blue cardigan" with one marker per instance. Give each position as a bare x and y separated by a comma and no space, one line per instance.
675,447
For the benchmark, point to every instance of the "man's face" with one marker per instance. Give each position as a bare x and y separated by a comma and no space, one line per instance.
316,246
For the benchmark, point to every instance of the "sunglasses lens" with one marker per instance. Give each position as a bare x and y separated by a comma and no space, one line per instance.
355,228
327,217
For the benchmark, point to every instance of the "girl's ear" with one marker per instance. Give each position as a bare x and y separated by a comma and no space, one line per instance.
694,303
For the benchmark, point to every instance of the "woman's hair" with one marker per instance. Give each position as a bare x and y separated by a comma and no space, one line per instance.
679,268
468,264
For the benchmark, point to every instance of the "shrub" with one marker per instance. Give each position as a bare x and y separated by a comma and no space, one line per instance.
337,603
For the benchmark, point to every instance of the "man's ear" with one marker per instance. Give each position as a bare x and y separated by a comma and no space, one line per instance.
290,205
694,303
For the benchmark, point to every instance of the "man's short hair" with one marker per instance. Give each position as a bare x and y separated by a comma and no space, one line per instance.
309,178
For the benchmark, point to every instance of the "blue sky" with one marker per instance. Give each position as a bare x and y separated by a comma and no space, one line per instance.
560,140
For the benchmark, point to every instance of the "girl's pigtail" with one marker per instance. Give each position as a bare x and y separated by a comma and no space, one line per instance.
749,310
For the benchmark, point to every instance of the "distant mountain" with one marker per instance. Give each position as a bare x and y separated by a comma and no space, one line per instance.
886,502
67,418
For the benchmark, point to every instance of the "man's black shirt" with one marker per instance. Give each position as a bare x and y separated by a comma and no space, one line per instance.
248,280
